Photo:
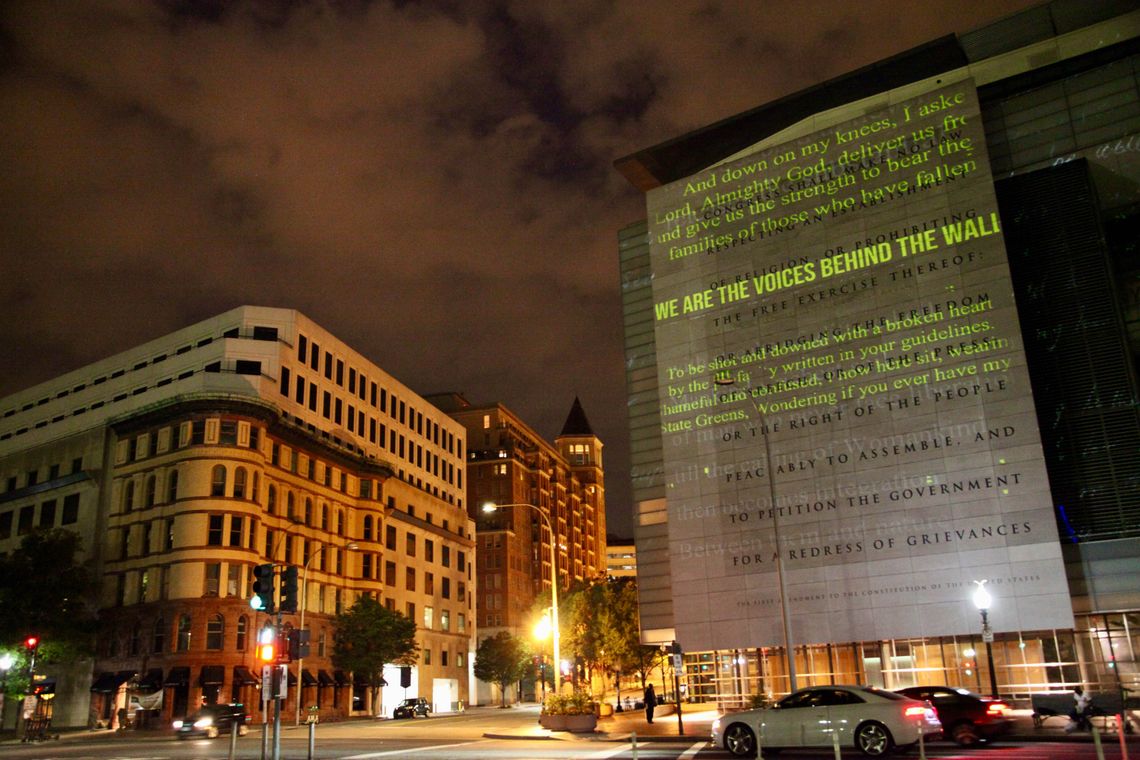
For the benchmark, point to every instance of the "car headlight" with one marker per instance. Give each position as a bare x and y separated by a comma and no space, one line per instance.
177,725
716,725
203,723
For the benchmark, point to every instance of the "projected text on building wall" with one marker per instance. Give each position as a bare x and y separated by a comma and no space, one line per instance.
841,304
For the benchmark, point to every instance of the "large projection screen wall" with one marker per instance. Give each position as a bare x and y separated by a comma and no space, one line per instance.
845,300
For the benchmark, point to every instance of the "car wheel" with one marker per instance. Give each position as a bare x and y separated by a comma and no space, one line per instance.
739,740
212,732
873,739
965,733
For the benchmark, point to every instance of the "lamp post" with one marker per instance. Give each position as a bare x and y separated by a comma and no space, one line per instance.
304,603
982,601
789,652
555,637
541,630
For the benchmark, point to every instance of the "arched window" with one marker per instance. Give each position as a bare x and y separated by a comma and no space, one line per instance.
183,642
324,517
218,481
290,506
158,636
128,496
215,627
308,511
149,496
239,483
239,638
368,527
172,486
271,500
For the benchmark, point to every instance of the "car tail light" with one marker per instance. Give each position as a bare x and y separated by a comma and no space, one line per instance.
997,708
915,711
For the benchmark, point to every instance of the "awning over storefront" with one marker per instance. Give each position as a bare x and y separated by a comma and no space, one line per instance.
107,682
104,683
152,680
212,675
177,677
292,678
324,679
244,677
307,678
358,679
340,678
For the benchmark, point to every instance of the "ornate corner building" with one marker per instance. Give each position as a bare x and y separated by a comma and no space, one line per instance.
253,437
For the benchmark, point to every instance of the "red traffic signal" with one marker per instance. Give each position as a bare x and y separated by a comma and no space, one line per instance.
31,643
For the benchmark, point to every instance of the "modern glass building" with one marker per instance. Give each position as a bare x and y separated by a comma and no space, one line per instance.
881,340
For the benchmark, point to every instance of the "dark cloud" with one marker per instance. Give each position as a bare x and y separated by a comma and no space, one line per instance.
431,181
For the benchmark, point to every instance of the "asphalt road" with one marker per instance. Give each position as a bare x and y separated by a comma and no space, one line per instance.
477,734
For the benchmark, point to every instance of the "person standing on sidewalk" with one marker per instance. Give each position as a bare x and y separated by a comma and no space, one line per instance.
650,702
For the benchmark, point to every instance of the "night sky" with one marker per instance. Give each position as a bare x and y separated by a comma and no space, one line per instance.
430,181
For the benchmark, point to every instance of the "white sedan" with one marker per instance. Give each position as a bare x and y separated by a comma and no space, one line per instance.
872,720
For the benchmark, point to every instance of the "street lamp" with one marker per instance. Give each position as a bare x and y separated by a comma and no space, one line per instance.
789,652
555,636
542,631
6,663
982,601
352,546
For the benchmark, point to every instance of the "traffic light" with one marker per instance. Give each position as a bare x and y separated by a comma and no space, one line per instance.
289,589
299,647
31,644
267,645
263,589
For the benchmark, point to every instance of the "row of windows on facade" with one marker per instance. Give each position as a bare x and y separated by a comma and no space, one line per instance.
138,540
378,397
134,644
249,368
256,333
212,587
32,476
27,522
377,432
239,433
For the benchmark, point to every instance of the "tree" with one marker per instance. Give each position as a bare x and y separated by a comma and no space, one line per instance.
369,636
621,630
44,593
501,659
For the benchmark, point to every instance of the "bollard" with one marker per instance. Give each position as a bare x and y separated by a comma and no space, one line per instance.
835,742
233,739
633,741
921,743
312,739
1120,718
1096,741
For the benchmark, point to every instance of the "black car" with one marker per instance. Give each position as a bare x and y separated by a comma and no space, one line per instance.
411,708
211,720
967,718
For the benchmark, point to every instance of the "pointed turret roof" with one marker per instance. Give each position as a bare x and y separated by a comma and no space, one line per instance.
576,422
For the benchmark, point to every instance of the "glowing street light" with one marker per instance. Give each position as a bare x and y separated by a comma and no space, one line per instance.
490,507
983,600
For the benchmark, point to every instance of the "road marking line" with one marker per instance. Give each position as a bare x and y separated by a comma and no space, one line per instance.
602,754
410,751
693,750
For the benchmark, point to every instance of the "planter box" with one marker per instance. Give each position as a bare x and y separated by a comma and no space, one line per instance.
581,723
553,722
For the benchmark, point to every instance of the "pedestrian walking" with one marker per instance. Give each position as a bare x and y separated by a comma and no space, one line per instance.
650,702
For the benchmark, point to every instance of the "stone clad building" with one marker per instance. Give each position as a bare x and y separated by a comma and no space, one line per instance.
253,437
